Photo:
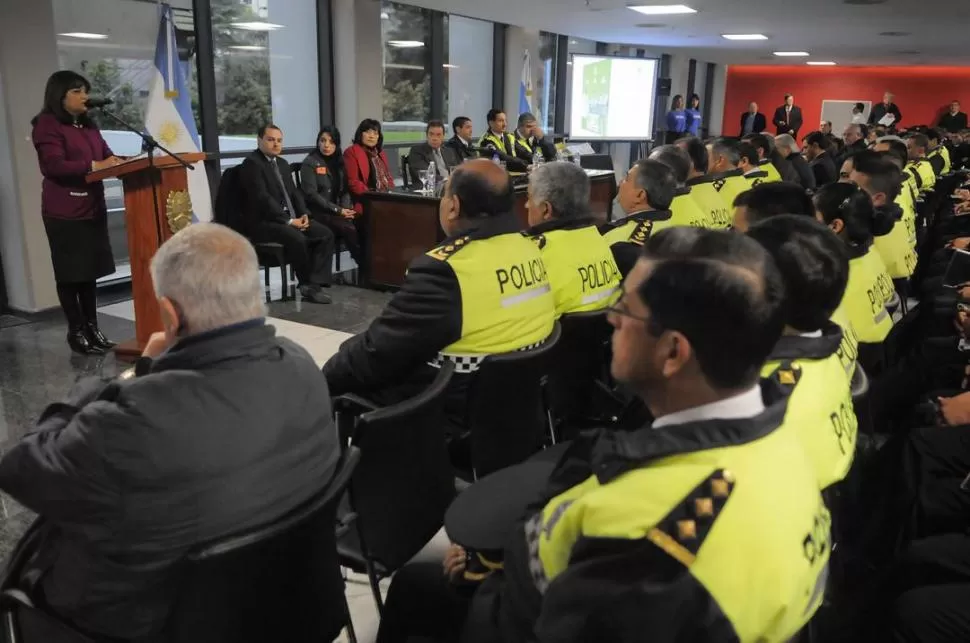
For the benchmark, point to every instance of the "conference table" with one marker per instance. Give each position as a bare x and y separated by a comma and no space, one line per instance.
402,224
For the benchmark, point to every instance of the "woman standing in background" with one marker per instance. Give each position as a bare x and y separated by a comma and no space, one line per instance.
694,115
676,120
75,215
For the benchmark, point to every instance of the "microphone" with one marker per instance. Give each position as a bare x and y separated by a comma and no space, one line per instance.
98,101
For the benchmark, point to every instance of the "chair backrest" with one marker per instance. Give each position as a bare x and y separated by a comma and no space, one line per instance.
579,360
506,411
277,582
229,207
295,168
404,482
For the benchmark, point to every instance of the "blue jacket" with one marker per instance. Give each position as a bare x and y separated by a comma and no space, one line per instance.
676,121
693,121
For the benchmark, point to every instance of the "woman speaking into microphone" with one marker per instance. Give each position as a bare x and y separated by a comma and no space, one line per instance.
69,146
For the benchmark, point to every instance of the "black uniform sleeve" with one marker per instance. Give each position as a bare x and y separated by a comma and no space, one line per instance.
253,182
422,318
548,149
625,254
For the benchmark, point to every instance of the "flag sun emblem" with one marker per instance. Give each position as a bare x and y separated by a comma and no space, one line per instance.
168,133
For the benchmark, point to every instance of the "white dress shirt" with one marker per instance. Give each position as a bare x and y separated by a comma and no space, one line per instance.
742,406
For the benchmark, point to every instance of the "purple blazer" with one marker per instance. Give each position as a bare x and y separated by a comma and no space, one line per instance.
65,153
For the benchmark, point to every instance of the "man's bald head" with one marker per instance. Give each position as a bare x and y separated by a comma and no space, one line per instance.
477,189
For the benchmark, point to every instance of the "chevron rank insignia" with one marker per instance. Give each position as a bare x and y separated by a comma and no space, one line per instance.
641,233
719,184
443,253
787,375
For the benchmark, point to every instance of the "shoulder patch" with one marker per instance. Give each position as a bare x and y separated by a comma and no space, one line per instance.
539,240
683,531
444,252
757,182
641,232
786,376
719,184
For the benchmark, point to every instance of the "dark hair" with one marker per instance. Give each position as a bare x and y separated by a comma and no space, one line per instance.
787,96
675,158
658,181
748,151
728,147
261,132
334,134
761,142
696,152
526,117
771,199
814,265
919,140
673,101
829,123
884,175
898,150
860,106
723,292
58,84
493,114
851,204
933,134
693,97
459,123
479,197
434,123
818,138
863,129
366,125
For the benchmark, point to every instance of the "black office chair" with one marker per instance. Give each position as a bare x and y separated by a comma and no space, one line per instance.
403,484
506,416
277,582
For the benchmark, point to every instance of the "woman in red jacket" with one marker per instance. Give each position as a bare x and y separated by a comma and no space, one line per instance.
69,146
366,163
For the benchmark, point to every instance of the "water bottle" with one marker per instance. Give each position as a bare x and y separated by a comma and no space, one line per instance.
432,176
536,158
560,155
496,160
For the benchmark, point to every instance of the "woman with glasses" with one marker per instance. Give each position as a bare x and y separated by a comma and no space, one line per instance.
366,163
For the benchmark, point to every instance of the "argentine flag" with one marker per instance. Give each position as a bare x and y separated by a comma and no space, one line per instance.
169,115
526,89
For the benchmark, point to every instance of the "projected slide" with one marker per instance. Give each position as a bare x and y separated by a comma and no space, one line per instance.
612,98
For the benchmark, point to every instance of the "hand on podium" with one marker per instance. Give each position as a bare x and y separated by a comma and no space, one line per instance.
111,161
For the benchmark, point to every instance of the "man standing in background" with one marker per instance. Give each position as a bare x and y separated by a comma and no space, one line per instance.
788,117
752,121
887,106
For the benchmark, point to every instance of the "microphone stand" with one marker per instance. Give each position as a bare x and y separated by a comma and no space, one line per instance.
149,145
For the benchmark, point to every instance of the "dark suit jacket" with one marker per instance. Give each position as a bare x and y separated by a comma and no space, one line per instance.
805,175
824,169
227,431
880,110
760,124
953,123
461,150
420,157
264,198
794,120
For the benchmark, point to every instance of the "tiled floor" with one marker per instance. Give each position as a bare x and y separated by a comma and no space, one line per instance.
36,368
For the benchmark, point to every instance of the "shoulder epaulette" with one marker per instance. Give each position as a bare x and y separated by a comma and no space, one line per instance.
719,184
539,239
683,531
641,232
786,376
444,252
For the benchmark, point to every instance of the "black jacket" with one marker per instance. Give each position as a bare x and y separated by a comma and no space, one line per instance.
880,110
824,169
794,120
264,199
229,430
858,146
760,124
805,175
325,191
421,155
545,145
953,122
461,149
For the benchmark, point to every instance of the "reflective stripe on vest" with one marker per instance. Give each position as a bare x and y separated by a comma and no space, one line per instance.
497,141
581,269
524,142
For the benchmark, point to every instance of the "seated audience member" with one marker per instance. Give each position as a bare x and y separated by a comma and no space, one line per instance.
954,120
825,127
631,534
221,426
529,138
878,175
578,261
725,169
935,583
788,147
911,178
277,213
749,164
768,200
918,146
324,182
848,210
431,151
461,142
817,153
483,291
701,184
814,265
906,199
645,194
937,155
766,150
497,144
366,163
854,137
684,210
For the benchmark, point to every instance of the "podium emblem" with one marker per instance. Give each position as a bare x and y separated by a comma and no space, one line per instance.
178,210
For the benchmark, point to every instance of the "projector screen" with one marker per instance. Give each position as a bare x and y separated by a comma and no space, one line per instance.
612,98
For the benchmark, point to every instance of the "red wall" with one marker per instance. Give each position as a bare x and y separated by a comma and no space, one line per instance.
922,93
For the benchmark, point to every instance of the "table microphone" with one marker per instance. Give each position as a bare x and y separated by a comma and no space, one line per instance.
98,101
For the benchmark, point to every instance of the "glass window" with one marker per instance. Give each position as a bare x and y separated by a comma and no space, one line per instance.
468,70
546,85
406,36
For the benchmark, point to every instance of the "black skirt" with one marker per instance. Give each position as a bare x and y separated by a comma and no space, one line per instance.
80,249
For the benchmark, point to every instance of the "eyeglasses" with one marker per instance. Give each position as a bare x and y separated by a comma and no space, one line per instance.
620,308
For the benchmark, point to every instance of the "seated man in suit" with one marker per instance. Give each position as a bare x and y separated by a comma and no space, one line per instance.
461,142
433,151
530,138
221,426
820,159
277,213
752,121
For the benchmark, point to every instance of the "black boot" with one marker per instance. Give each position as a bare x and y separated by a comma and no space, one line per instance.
97,338
78,340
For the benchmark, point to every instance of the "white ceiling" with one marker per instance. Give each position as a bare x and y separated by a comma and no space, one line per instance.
829,29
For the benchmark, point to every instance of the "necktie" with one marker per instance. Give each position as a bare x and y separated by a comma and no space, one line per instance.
440,162
787,115
286,195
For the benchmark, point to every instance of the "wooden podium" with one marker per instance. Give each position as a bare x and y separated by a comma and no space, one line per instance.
146,231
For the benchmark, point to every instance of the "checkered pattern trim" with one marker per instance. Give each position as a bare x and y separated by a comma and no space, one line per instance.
471,363
533,530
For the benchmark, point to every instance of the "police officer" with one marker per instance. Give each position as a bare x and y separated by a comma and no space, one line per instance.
938,156
918,145
529,137
765,146
813,357
750,165
683,208
645,194
727,178
483,291
768,200
496,143
578,261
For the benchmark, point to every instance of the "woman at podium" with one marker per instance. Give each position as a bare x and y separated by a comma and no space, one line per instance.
69,146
